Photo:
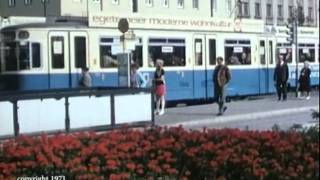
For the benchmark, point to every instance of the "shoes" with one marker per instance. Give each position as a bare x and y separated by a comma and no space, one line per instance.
308,97
224,109
156,112
161,113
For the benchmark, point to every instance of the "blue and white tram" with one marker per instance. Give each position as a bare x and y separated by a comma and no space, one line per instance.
50,56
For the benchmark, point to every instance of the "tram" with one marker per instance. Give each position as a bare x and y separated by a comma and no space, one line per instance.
39,56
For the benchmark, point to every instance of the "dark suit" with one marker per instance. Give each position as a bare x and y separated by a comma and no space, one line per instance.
280,77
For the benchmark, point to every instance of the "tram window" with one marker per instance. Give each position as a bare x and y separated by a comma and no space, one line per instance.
212,51
198,52
285,52
262,52
270,52
173,54
107,60
10,56
57,52
306,54
36,55
80,52
238,53
24,56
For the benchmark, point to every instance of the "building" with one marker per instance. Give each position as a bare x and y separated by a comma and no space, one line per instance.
43,8
273,12
21,11
278,12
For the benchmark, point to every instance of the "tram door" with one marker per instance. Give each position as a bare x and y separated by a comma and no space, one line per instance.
266,65
78,55
263,66
199,72
58,66
204,48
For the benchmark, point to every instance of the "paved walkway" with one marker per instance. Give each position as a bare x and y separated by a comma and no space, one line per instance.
261,110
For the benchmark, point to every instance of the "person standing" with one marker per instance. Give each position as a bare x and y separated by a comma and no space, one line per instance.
304,81
280,78
160,88
221,76
85,80
136,78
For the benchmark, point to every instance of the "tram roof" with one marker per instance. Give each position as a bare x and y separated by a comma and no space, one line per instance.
57,24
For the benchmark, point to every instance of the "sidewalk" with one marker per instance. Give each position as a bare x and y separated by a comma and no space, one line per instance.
239,111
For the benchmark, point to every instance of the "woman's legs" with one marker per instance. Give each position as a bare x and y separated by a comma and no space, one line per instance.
163,104
158,101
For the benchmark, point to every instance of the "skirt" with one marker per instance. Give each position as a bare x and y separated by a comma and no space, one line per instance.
160,90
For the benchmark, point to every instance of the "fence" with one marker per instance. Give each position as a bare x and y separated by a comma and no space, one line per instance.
68,110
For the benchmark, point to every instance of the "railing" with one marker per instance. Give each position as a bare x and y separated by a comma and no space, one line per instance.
65,110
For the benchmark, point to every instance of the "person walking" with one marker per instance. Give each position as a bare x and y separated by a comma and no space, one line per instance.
160,87
304,81
136,78
85,80
221,76
280,78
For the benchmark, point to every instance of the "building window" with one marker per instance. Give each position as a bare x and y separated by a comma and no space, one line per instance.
257,10
229,6
180,4
269,10
246,12
310,14
149,3
27,2
290,11
115,2
195,4
12,3
280,11
171,51
134,6
165,3
238,52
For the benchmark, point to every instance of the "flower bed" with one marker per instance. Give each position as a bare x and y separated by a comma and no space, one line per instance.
169,153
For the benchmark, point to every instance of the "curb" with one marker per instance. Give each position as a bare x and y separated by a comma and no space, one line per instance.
243,117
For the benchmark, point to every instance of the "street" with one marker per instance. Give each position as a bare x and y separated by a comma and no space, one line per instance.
256,113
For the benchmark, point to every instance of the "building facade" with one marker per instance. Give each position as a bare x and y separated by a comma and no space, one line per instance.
43,8
272,12
279,12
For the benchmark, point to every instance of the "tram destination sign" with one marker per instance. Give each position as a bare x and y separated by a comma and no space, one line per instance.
171,23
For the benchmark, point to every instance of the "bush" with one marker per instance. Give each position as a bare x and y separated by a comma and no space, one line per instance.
164,153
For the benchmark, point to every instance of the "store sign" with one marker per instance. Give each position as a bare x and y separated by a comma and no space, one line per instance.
164,23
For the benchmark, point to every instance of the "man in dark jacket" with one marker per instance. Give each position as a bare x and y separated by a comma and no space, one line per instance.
280,78
221,76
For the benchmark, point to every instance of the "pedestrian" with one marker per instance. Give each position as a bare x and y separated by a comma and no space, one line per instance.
160,88
221,76
85,80
136,78
304,81
280,78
